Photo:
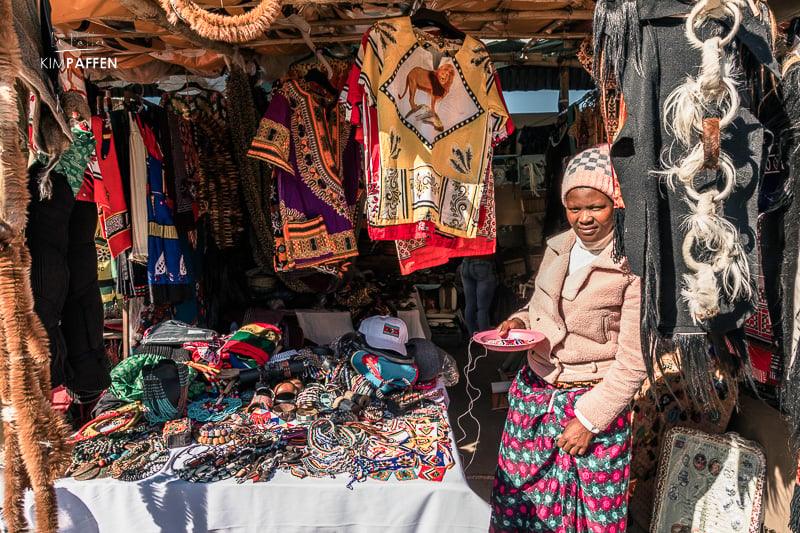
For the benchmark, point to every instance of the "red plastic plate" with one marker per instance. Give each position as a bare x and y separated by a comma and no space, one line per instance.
517,340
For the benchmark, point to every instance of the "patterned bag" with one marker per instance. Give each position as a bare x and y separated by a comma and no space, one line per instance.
385,375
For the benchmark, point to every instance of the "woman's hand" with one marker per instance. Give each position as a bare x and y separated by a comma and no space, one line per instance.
575,438
506,325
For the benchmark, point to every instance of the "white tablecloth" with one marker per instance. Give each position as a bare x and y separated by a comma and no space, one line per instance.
164,503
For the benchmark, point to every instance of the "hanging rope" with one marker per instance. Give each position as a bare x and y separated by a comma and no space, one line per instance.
228,28
696,112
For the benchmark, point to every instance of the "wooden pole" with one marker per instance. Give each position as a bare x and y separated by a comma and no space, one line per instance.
126,336
563,94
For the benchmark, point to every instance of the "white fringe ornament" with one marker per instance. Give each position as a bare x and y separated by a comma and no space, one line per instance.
711,248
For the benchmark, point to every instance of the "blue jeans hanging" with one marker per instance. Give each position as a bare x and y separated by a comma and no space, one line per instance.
479,277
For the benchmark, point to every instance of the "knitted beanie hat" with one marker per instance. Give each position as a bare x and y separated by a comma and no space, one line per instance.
590,168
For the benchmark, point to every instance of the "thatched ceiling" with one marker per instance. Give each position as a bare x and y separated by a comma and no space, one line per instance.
137,34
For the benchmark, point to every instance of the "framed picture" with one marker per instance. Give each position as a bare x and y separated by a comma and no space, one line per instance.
709,484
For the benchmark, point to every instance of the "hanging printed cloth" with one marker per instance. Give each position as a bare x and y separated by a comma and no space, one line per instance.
105,270
306,138
75,159
435,250
216,173
115,210
138,167
166,268
429,112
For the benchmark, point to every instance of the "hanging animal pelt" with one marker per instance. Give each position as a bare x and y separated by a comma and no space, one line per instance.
50,133
699,173
35,435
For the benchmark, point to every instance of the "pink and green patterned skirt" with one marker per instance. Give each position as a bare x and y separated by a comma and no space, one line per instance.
539,487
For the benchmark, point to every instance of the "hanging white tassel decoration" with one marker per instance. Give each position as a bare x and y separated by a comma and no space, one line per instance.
711,248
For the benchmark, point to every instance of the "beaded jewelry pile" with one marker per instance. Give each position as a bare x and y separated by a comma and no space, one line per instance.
324,421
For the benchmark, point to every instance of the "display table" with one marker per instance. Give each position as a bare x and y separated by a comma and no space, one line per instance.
165,503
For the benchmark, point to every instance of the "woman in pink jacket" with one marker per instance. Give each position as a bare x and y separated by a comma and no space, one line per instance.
565,452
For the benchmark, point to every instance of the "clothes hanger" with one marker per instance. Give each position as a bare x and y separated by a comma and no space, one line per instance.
189,88
425,17
304,28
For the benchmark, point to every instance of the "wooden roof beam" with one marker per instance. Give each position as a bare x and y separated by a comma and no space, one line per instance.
349,38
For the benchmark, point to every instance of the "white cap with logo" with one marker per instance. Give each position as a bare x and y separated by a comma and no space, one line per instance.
385,333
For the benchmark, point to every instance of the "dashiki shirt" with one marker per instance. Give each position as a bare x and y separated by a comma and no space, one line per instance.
305,137
429,111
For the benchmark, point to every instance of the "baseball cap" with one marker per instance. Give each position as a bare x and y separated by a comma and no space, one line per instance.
385,332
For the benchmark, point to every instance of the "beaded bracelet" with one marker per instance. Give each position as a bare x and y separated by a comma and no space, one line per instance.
305,415
214,434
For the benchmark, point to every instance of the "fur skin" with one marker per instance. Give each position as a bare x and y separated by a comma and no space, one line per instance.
229,28
616,33
36,445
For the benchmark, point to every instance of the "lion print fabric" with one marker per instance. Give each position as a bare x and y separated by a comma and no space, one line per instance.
429,111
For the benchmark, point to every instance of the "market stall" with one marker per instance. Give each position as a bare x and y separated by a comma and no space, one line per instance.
217,174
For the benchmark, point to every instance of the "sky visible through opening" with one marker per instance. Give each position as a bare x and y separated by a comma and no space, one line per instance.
545,101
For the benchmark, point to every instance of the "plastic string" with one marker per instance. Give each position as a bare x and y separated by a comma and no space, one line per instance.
468,369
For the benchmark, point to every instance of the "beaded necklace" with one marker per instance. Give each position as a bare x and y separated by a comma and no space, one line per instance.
208,409
91,457
211,375
145,459
157,406
111,421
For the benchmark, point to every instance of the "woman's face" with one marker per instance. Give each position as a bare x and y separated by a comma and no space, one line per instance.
590,213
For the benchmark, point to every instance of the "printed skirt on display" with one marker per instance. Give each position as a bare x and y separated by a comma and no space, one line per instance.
539,487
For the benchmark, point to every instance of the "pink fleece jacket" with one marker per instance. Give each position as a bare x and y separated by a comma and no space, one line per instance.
591,324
